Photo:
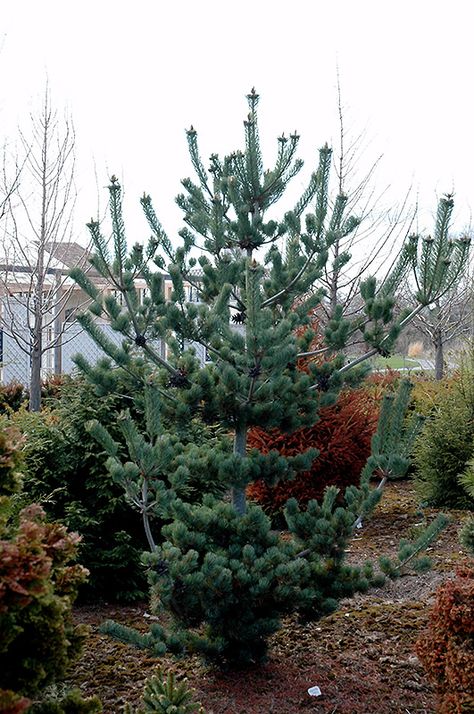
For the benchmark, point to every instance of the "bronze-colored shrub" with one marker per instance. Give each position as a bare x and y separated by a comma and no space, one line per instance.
342,436
447,648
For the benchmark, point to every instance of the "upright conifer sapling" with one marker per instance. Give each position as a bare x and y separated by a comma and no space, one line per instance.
219,562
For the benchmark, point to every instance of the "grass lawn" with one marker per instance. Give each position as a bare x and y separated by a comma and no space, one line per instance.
395,362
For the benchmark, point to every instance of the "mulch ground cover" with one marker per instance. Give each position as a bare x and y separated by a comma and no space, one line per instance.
361,657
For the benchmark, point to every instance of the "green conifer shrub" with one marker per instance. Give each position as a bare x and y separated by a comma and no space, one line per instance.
428,394
166,696
38,585
443,451
65,470
222,573
467,535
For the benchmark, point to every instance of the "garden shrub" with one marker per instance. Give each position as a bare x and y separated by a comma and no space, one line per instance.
466,535
442,451
38,585
71,703
429,394
447,648
11,703
65,471
342,436
12,396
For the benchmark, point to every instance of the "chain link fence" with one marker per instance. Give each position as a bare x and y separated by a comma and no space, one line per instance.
15,363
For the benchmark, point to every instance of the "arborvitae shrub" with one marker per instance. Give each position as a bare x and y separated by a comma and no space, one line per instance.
342,436
447,648
442,451
429,394
37,588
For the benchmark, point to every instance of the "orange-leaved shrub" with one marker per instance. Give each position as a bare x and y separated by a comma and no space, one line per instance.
342,436
447,649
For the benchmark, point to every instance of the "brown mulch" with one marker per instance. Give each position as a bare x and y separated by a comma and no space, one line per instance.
361,657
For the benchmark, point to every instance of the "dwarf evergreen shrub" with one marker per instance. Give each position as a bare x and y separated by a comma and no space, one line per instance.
447,649
442,452
65,470
38,585
166,696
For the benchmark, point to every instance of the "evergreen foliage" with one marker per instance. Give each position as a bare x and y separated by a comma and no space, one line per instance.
445,447
441,260
467,535
71,703
65,471
447,649
220,565
38,585
167,696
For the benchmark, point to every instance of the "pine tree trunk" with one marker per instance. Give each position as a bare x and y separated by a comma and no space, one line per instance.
240,448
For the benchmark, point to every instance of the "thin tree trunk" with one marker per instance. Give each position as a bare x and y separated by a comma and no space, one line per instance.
58,325
240,448
439,354
35,374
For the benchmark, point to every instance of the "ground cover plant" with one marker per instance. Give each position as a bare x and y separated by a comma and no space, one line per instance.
217,567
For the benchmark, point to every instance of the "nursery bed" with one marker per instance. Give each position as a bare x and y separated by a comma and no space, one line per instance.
361,657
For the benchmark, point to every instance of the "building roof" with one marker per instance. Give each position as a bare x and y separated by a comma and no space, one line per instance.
70,255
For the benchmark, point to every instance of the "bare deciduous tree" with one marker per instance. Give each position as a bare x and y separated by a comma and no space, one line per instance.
374,244
38,218
448,319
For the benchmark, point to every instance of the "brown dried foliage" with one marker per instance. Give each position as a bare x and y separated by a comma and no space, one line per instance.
447,648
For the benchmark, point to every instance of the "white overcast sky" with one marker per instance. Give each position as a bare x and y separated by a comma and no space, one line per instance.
134,75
